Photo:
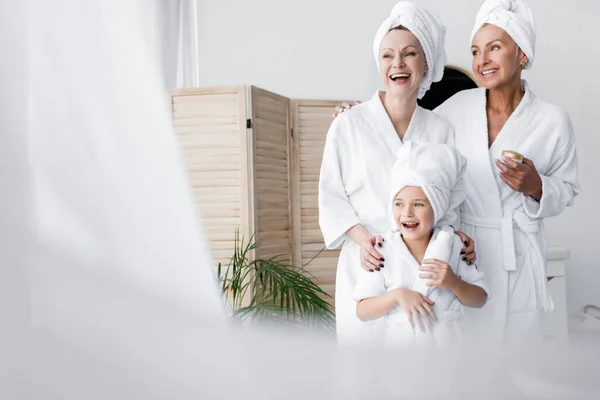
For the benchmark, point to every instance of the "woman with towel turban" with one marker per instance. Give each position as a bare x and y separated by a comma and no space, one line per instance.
507,200
361,148
425,181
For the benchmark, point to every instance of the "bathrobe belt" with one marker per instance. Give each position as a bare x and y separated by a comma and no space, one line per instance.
516,219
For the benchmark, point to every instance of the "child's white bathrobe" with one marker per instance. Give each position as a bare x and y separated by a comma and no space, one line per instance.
507,225
359,154
402,271
438,170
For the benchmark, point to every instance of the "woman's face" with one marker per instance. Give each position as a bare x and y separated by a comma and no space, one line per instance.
497,60
413,213
401,63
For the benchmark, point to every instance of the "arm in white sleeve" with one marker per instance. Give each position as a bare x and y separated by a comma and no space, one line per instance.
470,274
473,275
559,183
369,284
336,215
370,294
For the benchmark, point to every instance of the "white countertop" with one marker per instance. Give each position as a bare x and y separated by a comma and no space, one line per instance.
557,258
558,253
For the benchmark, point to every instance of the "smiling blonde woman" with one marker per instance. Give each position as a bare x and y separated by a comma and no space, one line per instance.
507,201
360,152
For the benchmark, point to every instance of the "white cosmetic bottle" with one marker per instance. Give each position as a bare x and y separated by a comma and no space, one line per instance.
439,248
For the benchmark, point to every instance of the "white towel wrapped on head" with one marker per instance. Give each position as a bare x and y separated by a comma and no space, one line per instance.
436,168
514,16
429,30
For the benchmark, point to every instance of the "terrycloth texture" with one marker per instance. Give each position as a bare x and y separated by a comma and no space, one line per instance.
436,168
402,271
429,30
514,260
514,16
360,152
439,248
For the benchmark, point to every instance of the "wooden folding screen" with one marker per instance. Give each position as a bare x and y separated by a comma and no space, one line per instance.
311,120
253,159
235,144
270,123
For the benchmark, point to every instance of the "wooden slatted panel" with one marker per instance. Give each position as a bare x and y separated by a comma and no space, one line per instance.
271,136
311,120
211,126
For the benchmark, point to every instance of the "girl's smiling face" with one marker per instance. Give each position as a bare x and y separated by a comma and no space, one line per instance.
413,213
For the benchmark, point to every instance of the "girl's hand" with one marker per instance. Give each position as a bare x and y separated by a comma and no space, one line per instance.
439,273
416,306
522,178
468,252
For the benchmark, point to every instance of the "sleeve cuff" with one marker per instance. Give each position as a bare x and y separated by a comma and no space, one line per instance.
370,285
482,284
533,209
336,236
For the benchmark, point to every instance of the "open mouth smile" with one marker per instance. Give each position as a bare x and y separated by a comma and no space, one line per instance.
410,226
400,78
488,72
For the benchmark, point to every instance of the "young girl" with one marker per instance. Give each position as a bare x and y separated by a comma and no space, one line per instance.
425,283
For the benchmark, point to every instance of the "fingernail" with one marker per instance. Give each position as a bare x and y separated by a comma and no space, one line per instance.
381,259
379,244
466,243
371,270
462,252
380,265
464,258
377,269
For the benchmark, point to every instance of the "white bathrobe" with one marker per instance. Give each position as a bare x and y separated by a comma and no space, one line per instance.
508,226
359,154
402,271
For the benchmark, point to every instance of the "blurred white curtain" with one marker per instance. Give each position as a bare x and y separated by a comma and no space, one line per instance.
171,28
108,288
188,57
15,205
105,277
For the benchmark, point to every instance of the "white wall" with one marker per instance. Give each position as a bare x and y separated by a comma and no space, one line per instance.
321,49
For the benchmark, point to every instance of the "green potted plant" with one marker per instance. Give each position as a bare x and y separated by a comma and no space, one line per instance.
272,290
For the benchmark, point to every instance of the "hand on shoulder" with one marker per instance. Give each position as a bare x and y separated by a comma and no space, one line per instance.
345,106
